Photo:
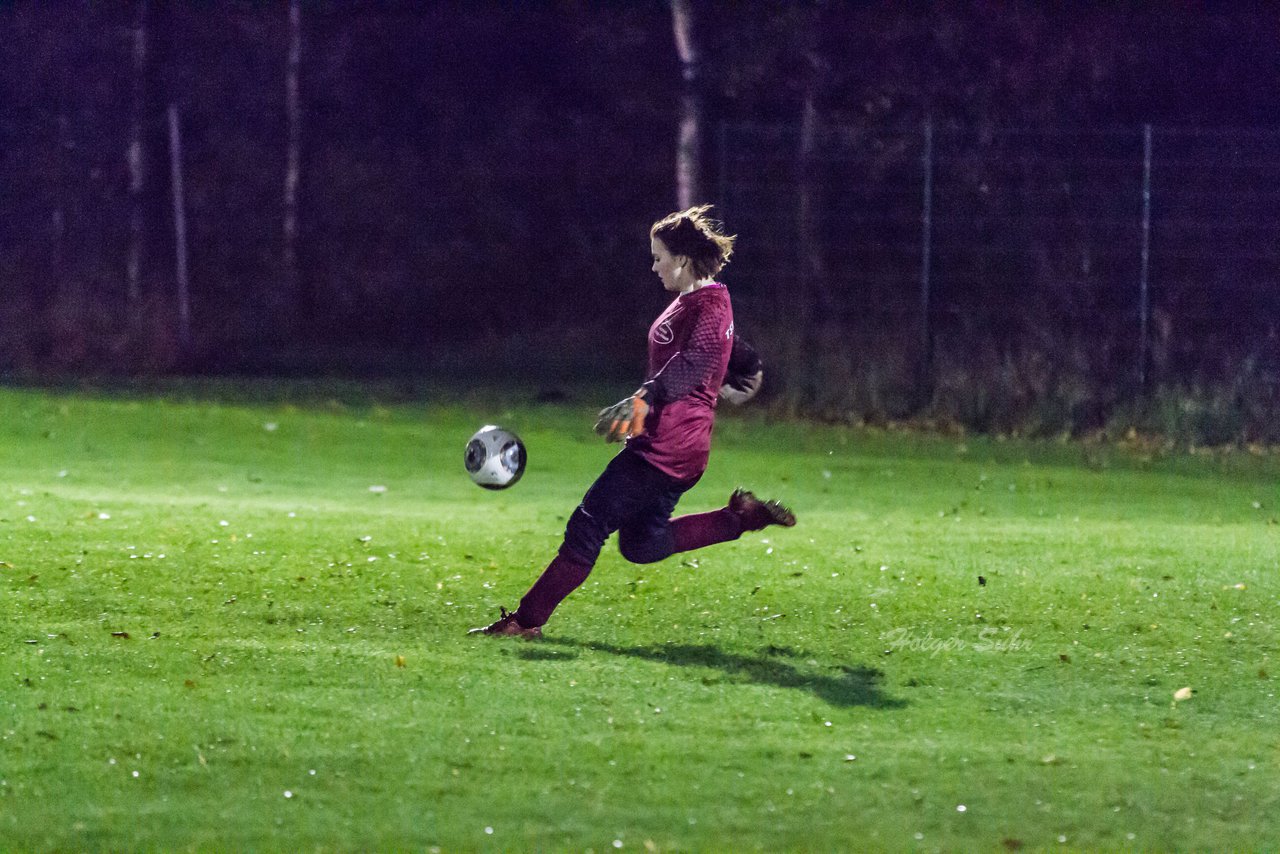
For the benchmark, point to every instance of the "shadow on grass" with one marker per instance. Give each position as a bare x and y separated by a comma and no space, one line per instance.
853,686
533,653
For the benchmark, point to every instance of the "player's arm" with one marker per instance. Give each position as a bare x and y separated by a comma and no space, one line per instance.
682,373
693,362
744,375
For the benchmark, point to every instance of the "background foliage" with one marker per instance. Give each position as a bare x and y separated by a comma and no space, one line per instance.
478,174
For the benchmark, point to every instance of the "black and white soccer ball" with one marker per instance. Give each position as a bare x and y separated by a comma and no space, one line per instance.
495,457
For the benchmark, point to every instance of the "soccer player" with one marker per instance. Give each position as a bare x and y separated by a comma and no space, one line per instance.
666,425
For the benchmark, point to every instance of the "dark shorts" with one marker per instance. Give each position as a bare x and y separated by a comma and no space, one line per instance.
635,499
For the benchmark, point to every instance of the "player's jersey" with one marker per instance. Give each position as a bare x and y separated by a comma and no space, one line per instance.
689,347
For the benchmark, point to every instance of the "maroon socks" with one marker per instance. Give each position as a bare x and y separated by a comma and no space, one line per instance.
561,577
566,573
705,529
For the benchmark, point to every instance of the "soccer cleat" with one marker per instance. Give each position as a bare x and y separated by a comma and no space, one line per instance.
756,514
507,624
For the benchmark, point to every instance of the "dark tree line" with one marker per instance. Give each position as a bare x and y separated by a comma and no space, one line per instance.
417,177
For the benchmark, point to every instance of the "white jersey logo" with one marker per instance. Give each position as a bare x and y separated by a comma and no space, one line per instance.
662,333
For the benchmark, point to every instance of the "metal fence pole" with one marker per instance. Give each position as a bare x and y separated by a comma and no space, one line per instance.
925,380
179,230
1144,297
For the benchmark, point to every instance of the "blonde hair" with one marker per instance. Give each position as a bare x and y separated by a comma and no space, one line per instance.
696,236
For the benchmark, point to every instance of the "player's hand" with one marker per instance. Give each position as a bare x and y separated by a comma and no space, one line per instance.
739,389
744,375
624,419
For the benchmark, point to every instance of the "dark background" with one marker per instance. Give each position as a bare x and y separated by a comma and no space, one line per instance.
478,180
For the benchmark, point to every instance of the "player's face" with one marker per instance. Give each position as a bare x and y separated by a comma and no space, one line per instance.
670,268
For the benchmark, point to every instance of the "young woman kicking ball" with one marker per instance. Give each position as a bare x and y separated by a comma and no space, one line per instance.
666,425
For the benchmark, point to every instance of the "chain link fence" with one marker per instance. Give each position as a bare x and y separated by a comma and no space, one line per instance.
1073,268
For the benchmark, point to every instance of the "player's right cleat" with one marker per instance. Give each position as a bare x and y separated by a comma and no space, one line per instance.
507,624
756,514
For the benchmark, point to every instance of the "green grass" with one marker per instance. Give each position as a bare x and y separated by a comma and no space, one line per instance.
205,611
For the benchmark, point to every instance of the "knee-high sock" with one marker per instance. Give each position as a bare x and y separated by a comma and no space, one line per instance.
704,529
562,576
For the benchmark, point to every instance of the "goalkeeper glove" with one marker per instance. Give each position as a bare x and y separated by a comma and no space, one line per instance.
739,389
624,419
744,375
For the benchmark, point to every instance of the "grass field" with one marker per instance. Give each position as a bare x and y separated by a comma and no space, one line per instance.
235,619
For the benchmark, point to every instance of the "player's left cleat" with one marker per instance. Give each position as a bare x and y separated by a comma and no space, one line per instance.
507,624
756,514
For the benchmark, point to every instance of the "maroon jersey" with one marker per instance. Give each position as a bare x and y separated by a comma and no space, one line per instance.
689,347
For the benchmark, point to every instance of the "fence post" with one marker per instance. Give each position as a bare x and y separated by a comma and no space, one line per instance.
179,231
1144,297
924,382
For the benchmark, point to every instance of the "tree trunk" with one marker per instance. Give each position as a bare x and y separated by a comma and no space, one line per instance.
136,156
293,160
814,296
809,313
689,146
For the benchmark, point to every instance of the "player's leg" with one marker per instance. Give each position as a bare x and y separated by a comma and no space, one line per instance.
653,535
647,537
618,494
743,513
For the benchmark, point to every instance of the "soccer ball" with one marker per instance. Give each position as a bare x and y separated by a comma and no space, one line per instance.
495,457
